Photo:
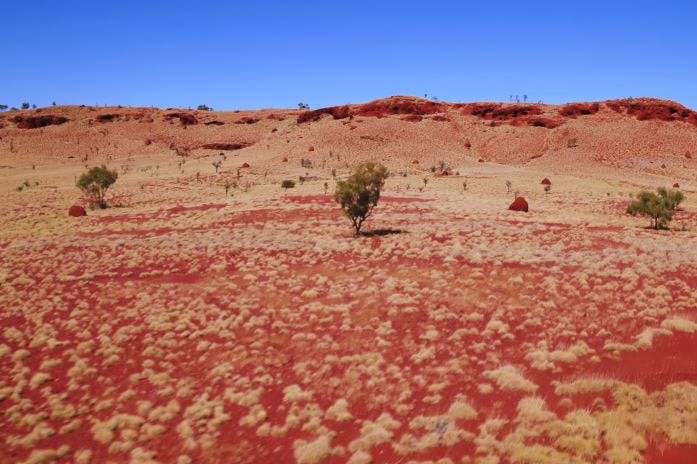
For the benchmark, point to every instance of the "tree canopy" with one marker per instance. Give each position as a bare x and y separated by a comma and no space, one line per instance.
95,183
659,206
359,194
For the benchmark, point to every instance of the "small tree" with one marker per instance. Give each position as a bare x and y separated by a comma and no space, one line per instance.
25,106
303,106
287,184
326,187
659,207
95,182
216,165
509,184
204,108
359,194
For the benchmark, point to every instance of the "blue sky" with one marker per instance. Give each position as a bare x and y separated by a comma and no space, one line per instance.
274,54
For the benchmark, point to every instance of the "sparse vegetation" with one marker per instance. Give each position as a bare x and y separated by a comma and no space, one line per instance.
95,183
659,206
359,194
572,143
287,184
509,184
204,108
217,164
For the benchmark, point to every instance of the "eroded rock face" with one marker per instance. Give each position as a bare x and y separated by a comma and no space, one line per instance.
519,204
77,211
35,122
184,118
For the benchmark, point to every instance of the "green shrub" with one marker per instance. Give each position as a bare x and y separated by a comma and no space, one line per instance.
659,206
359,194
95,183
287,184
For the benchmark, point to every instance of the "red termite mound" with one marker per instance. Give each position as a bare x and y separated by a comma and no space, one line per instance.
574,110
225,146
77,211
34,122
245,165
184,118
676,185
337,112
546,181
519,204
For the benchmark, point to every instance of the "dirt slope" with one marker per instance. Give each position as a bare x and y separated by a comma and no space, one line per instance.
643,135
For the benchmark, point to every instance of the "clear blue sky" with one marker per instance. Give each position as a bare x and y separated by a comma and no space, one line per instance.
274,54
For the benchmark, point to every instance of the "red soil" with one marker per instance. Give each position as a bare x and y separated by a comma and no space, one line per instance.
655,368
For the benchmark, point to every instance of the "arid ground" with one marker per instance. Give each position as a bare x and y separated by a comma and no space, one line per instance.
185,324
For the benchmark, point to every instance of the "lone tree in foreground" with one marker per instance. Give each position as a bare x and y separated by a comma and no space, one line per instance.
658,207
95,182
359,194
